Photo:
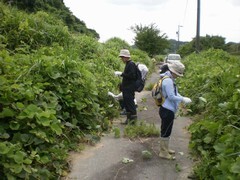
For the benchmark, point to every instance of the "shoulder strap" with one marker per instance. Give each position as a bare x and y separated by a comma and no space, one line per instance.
164,77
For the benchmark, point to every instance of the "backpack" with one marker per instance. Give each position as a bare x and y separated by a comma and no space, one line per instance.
157,91
142,72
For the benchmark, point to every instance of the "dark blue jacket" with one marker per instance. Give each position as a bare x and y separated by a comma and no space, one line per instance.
129,76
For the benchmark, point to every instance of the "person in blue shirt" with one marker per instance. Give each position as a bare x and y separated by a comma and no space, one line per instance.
170,106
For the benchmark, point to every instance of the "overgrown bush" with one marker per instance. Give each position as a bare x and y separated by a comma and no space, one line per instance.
212,80
53,93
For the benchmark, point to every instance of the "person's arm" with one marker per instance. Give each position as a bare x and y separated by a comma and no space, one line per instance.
170,90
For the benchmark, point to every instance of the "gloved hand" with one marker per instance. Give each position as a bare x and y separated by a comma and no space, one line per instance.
111,94
186,100
118,73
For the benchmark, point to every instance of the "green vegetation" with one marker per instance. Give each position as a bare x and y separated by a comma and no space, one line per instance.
53,92
57,9
146,155
141,129
54,79
149,39
117,132
212,80
209,42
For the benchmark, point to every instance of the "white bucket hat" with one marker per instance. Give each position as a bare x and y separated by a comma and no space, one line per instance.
177,68
124,53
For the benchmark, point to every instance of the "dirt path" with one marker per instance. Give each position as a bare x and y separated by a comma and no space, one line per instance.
104,161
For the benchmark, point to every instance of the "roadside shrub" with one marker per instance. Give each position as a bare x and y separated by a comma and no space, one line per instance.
212,81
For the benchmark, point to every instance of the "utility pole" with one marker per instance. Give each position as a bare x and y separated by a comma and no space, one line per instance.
198,27
178,35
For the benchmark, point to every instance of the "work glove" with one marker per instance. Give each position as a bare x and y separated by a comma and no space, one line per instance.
186,100
111,94
118,73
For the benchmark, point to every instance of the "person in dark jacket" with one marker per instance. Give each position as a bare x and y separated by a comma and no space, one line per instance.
129,76
119,98
164,68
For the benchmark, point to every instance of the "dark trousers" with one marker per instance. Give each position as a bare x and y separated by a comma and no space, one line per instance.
128,99
167,118
122,105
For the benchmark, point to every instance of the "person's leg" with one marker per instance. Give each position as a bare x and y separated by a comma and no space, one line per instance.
167,118
121,103
128,98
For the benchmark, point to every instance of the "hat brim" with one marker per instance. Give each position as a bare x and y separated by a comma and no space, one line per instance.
121,55
175,72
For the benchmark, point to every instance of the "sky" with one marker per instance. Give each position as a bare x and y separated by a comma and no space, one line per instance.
114,18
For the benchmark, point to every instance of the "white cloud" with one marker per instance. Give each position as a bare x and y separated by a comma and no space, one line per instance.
235,2
113,18
137,2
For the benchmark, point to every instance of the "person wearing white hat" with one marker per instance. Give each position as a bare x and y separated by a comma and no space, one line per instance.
170,106
129,76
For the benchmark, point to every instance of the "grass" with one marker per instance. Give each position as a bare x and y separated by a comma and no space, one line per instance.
141,129
149,86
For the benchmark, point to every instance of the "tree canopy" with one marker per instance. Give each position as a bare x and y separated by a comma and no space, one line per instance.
149,39
207,42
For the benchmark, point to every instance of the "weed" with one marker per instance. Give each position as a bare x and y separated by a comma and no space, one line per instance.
117,132
149,87
142,129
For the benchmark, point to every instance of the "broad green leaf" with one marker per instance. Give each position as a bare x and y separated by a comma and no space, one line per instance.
236,167
20,105
219,148
44,159
27,168
14,125
3,80
44,121
207,139
4,149
57,128
25,137
6,112
40,134
16,168
29,112
18,157
27,161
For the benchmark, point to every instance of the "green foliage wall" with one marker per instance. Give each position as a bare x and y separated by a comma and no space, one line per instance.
53,92
57,9
212,80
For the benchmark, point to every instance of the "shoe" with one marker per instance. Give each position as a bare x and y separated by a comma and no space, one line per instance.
164,151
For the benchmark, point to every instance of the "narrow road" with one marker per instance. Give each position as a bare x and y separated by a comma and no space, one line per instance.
104,160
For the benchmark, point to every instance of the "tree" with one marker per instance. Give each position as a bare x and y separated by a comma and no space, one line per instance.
56,8
149,39
208,42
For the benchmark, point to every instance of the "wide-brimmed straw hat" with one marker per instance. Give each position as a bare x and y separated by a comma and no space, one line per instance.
124,53
177,68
